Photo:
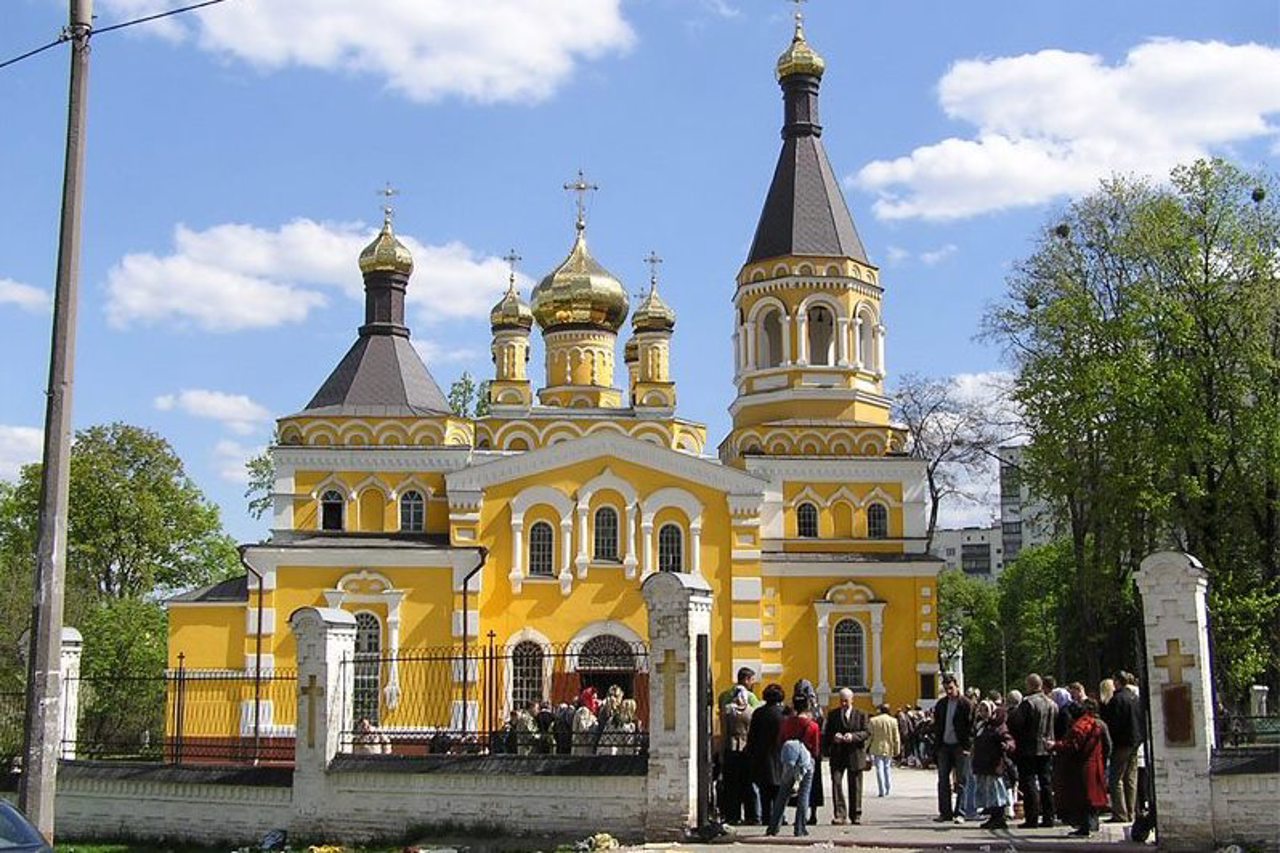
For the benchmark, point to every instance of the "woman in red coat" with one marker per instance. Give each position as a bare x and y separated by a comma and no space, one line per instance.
1085,748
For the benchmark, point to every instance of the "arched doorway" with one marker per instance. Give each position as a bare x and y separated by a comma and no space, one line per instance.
606,660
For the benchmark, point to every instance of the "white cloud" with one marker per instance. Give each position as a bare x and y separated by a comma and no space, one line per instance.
233,277
18,446
482,50
237,412
24,296
933,257
229,458
723,8
1053,123
896,255
433,352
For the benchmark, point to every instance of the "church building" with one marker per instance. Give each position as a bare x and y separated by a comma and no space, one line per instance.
539,520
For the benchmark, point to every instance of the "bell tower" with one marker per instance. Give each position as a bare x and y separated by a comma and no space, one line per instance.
809,339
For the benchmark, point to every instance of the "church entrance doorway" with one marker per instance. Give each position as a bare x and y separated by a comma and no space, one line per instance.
605,661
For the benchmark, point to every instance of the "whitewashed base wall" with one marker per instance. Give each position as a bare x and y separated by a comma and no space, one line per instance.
1246,809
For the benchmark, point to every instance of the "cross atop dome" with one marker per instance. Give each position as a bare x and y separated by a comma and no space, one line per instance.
581,187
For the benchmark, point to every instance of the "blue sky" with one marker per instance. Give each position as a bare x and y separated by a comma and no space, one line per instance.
234,155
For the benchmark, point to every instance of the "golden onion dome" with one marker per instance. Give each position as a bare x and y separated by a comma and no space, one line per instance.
653,314
800,58
580,292
511,312
386,253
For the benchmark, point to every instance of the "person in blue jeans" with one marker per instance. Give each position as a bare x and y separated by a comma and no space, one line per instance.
799,739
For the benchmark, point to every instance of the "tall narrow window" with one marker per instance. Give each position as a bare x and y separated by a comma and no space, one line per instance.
541,549
606,533
771,339
866,341
413,512
331,506
850,655
821,336
807,521
670,548
526,674
877,522
368,668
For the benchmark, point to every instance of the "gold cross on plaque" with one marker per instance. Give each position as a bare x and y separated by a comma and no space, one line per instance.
313,692
1174,660
670,670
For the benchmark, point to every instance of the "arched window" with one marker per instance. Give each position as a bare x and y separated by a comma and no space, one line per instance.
807,521
541,550
850,655
606,534
606,652
331,506
670,548
771,339
877,522
527,684
368,668
413,512
866,340
822,336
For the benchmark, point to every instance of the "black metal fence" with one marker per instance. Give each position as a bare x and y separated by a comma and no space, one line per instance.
185,716
529,698
1234,731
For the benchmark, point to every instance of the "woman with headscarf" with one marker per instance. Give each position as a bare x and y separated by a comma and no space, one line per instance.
1062,777
740,803
993,749
1084,751
805,688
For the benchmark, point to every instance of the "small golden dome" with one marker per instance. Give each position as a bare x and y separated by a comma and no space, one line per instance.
386,253
652,314
631,351
580,292
511,312
800,58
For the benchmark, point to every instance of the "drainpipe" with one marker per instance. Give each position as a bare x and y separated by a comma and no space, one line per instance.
257,658
466,634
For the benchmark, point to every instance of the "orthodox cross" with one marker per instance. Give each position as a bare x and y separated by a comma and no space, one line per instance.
388,192
1174,660
653,261
512,259
799,4
670,670
581,187
313,692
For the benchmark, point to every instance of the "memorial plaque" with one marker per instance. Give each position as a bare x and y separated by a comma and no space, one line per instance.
1179,718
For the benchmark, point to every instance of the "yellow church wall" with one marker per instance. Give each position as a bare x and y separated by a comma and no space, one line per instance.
209,636
382,432
810,265
854,412
374,510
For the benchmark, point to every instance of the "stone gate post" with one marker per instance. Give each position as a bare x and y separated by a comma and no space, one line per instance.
679,611
69,712
1174,589
325,637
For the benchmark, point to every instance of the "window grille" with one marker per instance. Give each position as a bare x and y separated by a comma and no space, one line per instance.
526,674
368,668
606,652
606,534
331,506
877,522
807,520
850,655
670,549
413,512
541,550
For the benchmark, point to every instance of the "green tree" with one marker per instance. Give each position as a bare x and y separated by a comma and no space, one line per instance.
262,482
138,526
1145,331
967,612
467,398
122,675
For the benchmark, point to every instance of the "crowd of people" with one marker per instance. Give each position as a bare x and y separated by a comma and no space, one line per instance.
588,726
1056,754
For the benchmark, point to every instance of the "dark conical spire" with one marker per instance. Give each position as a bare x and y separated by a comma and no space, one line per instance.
805,212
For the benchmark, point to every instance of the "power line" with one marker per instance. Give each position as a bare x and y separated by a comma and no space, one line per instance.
66,36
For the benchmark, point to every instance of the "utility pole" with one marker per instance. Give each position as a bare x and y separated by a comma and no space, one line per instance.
44,674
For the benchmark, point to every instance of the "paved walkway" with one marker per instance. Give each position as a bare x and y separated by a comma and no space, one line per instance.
904,821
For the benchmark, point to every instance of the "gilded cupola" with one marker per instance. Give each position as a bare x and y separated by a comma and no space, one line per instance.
580,293
653,314
800,57
511,312
386,253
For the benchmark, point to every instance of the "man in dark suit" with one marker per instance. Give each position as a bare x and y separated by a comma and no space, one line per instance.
845,742
1031,724
953,741
763,748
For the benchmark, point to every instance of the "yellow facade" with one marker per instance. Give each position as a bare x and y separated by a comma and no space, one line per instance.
808,527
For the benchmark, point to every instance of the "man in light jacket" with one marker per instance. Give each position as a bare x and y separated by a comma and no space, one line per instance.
884,744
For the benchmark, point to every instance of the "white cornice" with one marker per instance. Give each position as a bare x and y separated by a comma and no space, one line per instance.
368,459
789,395
850,570
806,282
868,469
625,448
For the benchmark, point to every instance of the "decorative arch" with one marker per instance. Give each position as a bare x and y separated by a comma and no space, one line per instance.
684,501
539,494
290,435
391,434
807,495
605,628
841,602
320,433
356,434
367,588
563,507
547,664
606,479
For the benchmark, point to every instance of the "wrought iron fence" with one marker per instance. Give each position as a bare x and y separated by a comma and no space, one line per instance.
522,699
185,716
1241,730
12,713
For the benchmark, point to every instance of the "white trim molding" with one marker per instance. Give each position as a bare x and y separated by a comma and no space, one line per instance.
855,600
366,587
